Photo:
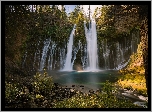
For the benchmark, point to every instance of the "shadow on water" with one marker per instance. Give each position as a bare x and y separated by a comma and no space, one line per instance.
92,80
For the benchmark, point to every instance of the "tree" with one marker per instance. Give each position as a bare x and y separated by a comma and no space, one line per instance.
144,40
127,17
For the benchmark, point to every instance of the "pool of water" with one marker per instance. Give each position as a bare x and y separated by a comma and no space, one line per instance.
91,79
86,80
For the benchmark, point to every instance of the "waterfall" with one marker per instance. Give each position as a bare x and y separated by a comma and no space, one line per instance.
120,57
52,52
112,54
83,55
122,65
62,57
91,37
106,53
75,51
68,65
44,53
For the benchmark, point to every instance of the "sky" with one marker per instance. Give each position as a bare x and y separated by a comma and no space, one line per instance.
70,8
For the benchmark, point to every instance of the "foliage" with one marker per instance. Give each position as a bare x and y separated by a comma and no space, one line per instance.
26,30
136,59
27,26
42,84
134,82
104,99
133,76
11,91
18,95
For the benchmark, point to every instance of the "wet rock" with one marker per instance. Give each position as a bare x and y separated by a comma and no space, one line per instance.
141,104
71,90
128,91
81,86
91,91
130,96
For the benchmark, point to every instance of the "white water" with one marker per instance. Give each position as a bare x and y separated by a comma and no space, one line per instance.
112,58
44,54
91,37
122,65
75,51
52,52
68,65
106,53
62,57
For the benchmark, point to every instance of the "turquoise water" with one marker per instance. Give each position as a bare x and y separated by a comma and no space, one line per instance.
96,79
88,80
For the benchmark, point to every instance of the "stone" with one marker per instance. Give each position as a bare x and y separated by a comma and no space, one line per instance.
129,95
71,90
73,85
143,98
142,104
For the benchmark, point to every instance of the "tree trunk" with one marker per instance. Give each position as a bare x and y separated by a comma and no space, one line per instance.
144,40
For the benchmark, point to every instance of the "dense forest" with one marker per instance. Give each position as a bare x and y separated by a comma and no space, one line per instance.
27,27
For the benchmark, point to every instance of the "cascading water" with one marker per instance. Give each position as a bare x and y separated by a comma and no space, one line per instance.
44,53
83,55
120,58
68,65
52,52
75,51
62,57
112,55
106,53
91,37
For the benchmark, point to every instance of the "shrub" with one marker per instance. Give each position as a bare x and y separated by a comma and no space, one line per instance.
42,84
134,82
16,96
19,96
104,99
11,92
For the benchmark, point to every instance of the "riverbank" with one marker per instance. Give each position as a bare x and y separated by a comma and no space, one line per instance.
40,92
